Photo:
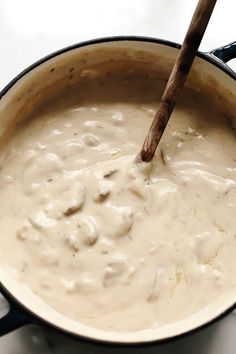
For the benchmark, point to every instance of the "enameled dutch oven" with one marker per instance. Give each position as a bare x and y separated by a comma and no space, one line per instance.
109,56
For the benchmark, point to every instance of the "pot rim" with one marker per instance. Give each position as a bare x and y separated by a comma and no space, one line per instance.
203,55
10,297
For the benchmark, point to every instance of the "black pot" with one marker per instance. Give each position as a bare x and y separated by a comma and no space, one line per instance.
210,74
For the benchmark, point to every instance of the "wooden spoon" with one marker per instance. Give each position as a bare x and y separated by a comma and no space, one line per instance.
177,78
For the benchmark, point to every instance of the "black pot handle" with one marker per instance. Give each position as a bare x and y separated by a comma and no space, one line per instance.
225,53
15,318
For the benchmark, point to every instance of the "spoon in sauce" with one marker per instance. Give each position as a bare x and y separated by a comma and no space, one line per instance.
177,78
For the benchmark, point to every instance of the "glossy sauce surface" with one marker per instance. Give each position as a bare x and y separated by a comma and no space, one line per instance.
108,243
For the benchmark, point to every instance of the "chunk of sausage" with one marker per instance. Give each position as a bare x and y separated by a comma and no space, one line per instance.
115,269
84,285
74,199
40,221
88,230
73,241
124,221
103,189
90,140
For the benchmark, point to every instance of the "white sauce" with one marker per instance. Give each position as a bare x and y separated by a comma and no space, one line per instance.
110,244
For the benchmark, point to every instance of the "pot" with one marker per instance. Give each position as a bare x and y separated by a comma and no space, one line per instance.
108,56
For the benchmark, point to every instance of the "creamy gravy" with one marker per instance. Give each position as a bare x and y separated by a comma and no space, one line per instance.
102,241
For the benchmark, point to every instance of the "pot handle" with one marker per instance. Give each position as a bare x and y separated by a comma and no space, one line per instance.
226,52
15,318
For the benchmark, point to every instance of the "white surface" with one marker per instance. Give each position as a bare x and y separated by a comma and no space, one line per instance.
31,29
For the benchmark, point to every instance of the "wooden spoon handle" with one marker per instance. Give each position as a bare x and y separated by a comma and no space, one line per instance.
177,77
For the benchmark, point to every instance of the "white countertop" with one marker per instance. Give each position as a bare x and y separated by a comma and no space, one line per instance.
31,29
